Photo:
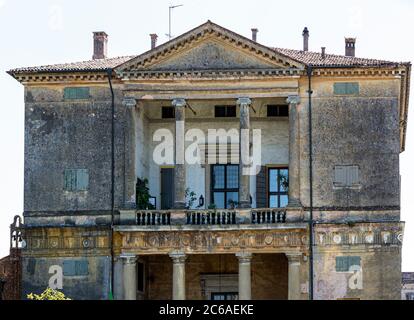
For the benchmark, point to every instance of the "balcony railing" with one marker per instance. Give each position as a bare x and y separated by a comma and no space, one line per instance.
153,218
212,217
206,217
270,215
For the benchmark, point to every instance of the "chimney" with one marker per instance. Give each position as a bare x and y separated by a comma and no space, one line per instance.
100,45
323,52
350,47
254,34
305,35
154,38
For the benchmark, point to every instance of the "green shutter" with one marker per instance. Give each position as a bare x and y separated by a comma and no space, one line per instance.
346,88
73,268
82,179
76,180
81,267
344,263
70,93
69,269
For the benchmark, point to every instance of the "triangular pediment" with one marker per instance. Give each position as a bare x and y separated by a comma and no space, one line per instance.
209,47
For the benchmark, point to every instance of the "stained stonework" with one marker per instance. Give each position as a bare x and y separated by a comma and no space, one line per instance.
215,241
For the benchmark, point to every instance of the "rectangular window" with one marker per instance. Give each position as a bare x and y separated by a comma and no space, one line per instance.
346,176
277,111
76,180
277,186
140,277
167,112
344,263
346,88
225,185
72,93
75,268
409,296
224,111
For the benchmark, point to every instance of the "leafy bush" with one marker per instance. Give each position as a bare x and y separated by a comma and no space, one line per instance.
48,294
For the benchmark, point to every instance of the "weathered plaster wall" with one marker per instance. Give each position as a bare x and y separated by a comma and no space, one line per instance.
93,286
360,130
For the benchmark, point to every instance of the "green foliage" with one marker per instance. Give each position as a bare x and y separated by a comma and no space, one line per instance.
48,294
284,180
142,195
190,198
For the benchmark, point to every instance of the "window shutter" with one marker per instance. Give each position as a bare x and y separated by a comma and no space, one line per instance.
261,201
82,179
81,268
76,180
340,176
352,175
69,268
72,93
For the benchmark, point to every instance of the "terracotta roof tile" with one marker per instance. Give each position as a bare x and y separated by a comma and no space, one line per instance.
315,59
90,65
305,57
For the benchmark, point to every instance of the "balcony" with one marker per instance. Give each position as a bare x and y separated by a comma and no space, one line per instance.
218,217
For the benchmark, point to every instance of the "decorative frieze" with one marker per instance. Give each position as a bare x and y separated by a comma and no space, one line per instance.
207,241
371,234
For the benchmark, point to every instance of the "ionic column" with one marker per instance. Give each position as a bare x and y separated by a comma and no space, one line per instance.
130,276
294,276
294,152
130,145
179,168
244,152
245,286
178,259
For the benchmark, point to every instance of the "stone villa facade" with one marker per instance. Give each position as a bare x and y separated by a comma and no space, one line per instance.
331,130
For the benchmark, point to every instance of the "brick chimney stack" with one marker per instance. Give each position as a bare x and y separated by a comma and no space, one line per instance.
305,35
154,38
254,34
350,47
100,45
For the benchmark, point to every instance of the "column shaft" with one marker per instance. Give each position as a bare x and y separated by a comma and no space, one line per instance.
130,147
245,286
244,152
178,259
179,168
294,276
294,153
130,277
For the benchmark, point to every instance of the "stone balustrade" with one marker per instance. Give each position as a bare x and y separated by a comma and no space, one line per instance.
210,216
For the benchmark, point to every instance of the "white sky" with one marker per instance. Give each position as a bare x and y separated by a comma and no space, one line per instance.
53,31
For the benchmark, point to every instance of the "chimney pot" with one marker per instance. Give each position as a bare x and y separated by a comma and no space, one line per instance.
305,35
100,45
154,38
323,52
254,34
350,47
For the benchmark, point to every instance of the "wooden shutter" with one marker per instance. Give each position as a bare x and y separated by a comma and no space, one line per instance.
261,188
340,176
352,175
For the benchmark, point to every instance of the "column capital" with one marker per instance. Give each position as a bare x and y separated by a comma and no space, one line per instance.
294,258
179,102
244,101
129,102
293,99
129,258
178,257
244,257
